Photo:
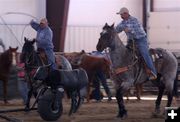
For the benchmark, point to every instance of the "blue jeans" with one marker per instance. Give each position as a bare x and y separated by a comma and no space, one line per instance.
51,58
144,51
23,89
96,93
101,77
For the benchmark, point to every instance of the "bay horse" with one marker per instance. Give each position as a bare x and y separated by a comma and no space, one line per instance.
91,64
7,59
128,71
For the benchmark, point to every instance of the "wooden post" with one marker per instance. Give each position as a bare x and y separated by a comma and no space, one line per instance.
57,13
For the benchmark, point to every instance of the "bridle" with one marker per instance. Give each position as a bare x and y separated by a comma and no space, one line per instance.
119,70
29,58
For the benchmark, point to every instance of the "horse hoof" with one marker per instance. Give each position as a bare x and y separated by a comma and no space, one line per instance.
122,117
109,99
6,102
98,101
26,109
70,113
156,114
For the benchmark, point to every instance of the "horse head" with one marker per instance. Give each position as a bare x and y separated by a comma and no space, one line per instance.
12,55
78,56
106,38
27,50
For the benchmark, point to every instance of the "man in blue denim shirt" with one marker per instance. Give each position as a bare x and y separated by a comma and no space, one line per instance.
44,39
134,31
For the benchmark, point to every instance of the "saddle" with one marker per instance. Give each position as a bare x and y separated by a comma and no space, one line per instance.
43,57
157,58
156,55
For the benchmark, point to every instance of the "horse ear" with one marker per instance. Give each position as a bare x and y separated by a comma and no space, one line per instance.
33,41
112,26
25,39
10,47
17,48
83,51
106,24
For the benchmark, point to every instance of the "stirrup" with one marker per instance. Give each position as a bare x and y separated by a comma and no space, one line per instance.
152,76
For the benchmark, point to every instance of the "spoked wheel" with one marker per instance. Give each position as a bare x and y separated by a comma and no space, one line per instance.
50,108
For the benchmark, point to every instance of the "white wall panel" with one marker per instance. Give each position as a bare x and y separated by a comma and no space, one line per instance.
164,30
87,17
14,17
166,5
98,12
84,38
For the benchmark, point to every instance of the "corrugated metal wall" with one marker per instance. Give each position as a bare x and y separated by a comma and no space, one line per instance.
164,30
13,35
14,17
84,38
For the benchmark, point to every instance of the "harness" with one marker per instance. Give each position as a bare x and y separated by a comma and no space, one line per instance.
32,69
155,55
119,70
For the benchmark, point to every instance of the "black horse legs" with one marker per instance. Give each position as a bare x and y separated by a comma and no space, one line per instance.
170,98
73,96
79,102
158,100
122,111
81,95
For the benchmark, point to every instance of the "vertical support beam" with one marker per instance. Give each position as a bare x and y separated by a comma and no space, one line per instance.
151,5
144,14
57,13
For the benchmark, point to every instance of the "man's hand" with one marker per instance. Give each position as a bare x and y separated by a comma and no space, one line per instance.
31,21
126,30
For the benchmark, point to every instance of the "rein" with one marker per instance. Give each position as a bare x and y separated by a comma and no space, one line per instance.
29,61
125,68
120,70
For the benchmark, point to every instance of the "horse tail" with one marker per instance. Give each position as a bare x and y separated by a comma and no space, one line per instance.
175,88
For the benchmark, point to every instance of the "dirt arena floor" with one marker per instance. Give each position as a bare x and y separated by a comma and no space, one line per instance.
93,112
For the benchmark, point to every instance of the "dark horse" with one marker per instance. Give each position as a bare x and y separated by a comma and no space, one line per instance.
128,71
72,81
7,58
33,60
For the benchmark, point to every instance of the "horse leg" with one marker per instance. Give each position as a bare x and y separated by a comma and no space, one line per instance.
138,91
81,95
170,90
127,95
158,100
73,102
5,91
170,98
88,91
122,111
175,89
79,102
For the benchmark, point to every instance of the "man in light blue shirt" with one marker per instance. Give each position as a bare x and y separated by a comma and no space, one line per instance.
134,31
44,39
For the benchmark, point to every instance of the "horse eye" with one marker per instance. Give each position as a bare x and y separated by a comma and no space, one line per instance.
106,36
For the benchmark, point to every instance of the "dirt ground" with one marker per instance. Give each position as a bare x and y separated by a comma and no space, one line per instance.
93,112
